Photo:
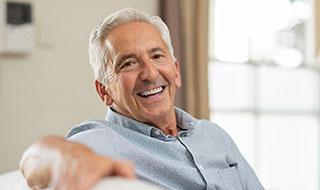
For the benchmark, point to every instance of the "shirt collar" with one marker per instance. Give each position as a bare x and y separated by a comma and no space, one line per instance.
184,121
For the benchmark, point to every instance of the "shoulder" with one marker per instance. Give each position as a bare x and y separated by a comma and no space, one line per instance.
98,135
86,126
209,126
215,132
187,121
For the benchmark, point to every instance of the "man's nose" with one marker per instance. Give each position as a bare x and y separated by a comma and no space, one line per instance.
149,71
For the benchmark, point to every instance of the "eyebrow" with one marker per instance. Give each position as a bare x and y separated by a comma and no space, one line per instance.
152,50
123,58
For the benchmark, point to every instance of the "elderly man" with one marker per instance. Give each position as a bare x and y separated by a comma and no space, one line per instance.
136,77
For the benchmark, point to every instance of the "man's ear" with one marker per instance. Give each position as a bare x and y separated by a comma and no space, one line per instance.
177,74
104,93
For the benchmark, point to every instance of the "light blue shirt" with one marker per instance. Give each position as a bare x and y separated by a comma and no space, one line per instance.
202,156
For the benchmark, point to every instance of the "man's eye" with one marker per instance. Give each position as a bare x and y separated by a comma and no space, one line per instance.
127,64
157,56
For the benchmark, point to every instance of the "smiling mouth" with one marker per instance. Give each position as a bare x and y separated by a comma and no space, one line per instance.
151,92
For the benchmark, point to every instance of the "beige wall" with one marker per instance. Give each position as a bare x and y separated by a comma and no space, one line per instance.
51,89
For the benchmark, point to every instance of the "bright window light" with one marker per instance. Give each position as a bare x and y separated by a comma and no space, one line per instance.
289,58
263,92
243,28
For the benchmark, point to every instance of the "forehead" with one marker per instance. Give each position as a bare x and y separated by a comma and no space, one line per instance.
135,36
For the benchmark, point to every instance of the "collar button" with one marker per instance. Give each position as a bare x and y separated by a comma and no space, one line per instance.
156,133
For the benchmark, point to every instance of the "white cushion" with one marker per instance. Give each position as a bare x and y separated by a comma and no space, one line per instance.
123,184
13,180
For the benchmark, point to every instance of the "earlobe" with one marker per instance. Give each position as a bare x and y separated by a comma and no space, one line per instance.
107,100
177,75
103,93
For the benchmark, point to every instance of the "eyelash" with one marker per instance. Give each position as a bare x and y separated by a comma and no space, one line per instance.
127,63
157,56
131,62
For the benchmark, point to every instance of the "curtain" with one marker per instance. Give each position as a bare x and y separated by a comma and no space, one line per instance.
188,23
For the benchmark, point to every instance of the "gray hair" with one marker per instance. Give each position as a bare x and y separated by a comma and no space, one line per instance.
99,51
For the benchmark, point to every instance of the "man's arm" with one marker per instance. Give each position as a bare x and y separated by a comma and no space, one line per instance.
60,164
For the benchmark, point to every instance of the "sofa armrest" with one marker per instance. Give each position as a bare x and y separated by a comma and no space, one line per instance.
15,180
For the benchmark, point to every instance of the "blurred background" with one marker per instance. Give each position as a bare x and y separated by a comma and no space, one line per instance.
47,86
251,66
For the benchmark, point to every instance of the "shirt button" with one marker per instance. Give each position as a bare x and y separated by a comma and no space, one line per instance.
184,134
157,133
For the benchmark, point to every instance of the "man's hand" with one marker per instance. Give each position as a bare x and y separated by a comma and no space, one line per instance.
56,163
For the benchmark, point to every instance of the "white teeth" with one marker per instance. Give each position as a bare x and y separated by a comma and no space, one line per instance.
151,92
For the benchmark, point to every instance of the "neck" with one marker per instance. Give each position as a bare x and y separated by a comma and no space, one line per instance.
167,125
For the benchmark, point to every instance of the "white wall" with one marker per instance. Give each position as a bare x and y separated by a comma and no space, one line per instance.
51,89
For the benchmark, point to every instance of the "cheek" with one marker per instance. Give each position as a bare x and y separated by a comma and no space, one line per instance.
173,76
126,83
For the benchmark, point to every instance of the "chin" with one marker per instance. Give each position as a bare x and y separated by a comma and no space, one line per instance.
157,112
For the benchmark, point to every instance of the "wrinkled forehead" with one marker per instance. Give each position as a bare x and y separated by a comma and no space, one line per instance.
134,37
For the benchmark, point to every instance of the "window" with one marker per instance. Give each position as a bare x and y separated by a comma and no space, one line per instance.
264,87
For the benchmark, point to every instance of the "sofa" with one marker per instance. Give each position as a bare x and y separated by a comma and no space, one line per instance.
15,181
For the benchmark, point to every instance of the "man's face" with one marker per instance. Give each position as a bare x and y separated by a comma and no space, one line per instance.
144,79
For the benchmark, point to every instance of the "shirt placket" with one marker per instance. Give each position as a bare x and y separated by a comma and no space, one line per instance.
199,167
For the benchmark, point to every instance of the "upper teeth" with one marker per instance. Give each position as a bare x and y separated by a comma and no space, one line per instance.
152,91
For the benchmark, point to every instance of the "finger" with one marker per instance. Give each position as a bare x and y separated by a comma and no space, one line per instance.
70,174
110,168
124,168
102,167
37,175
